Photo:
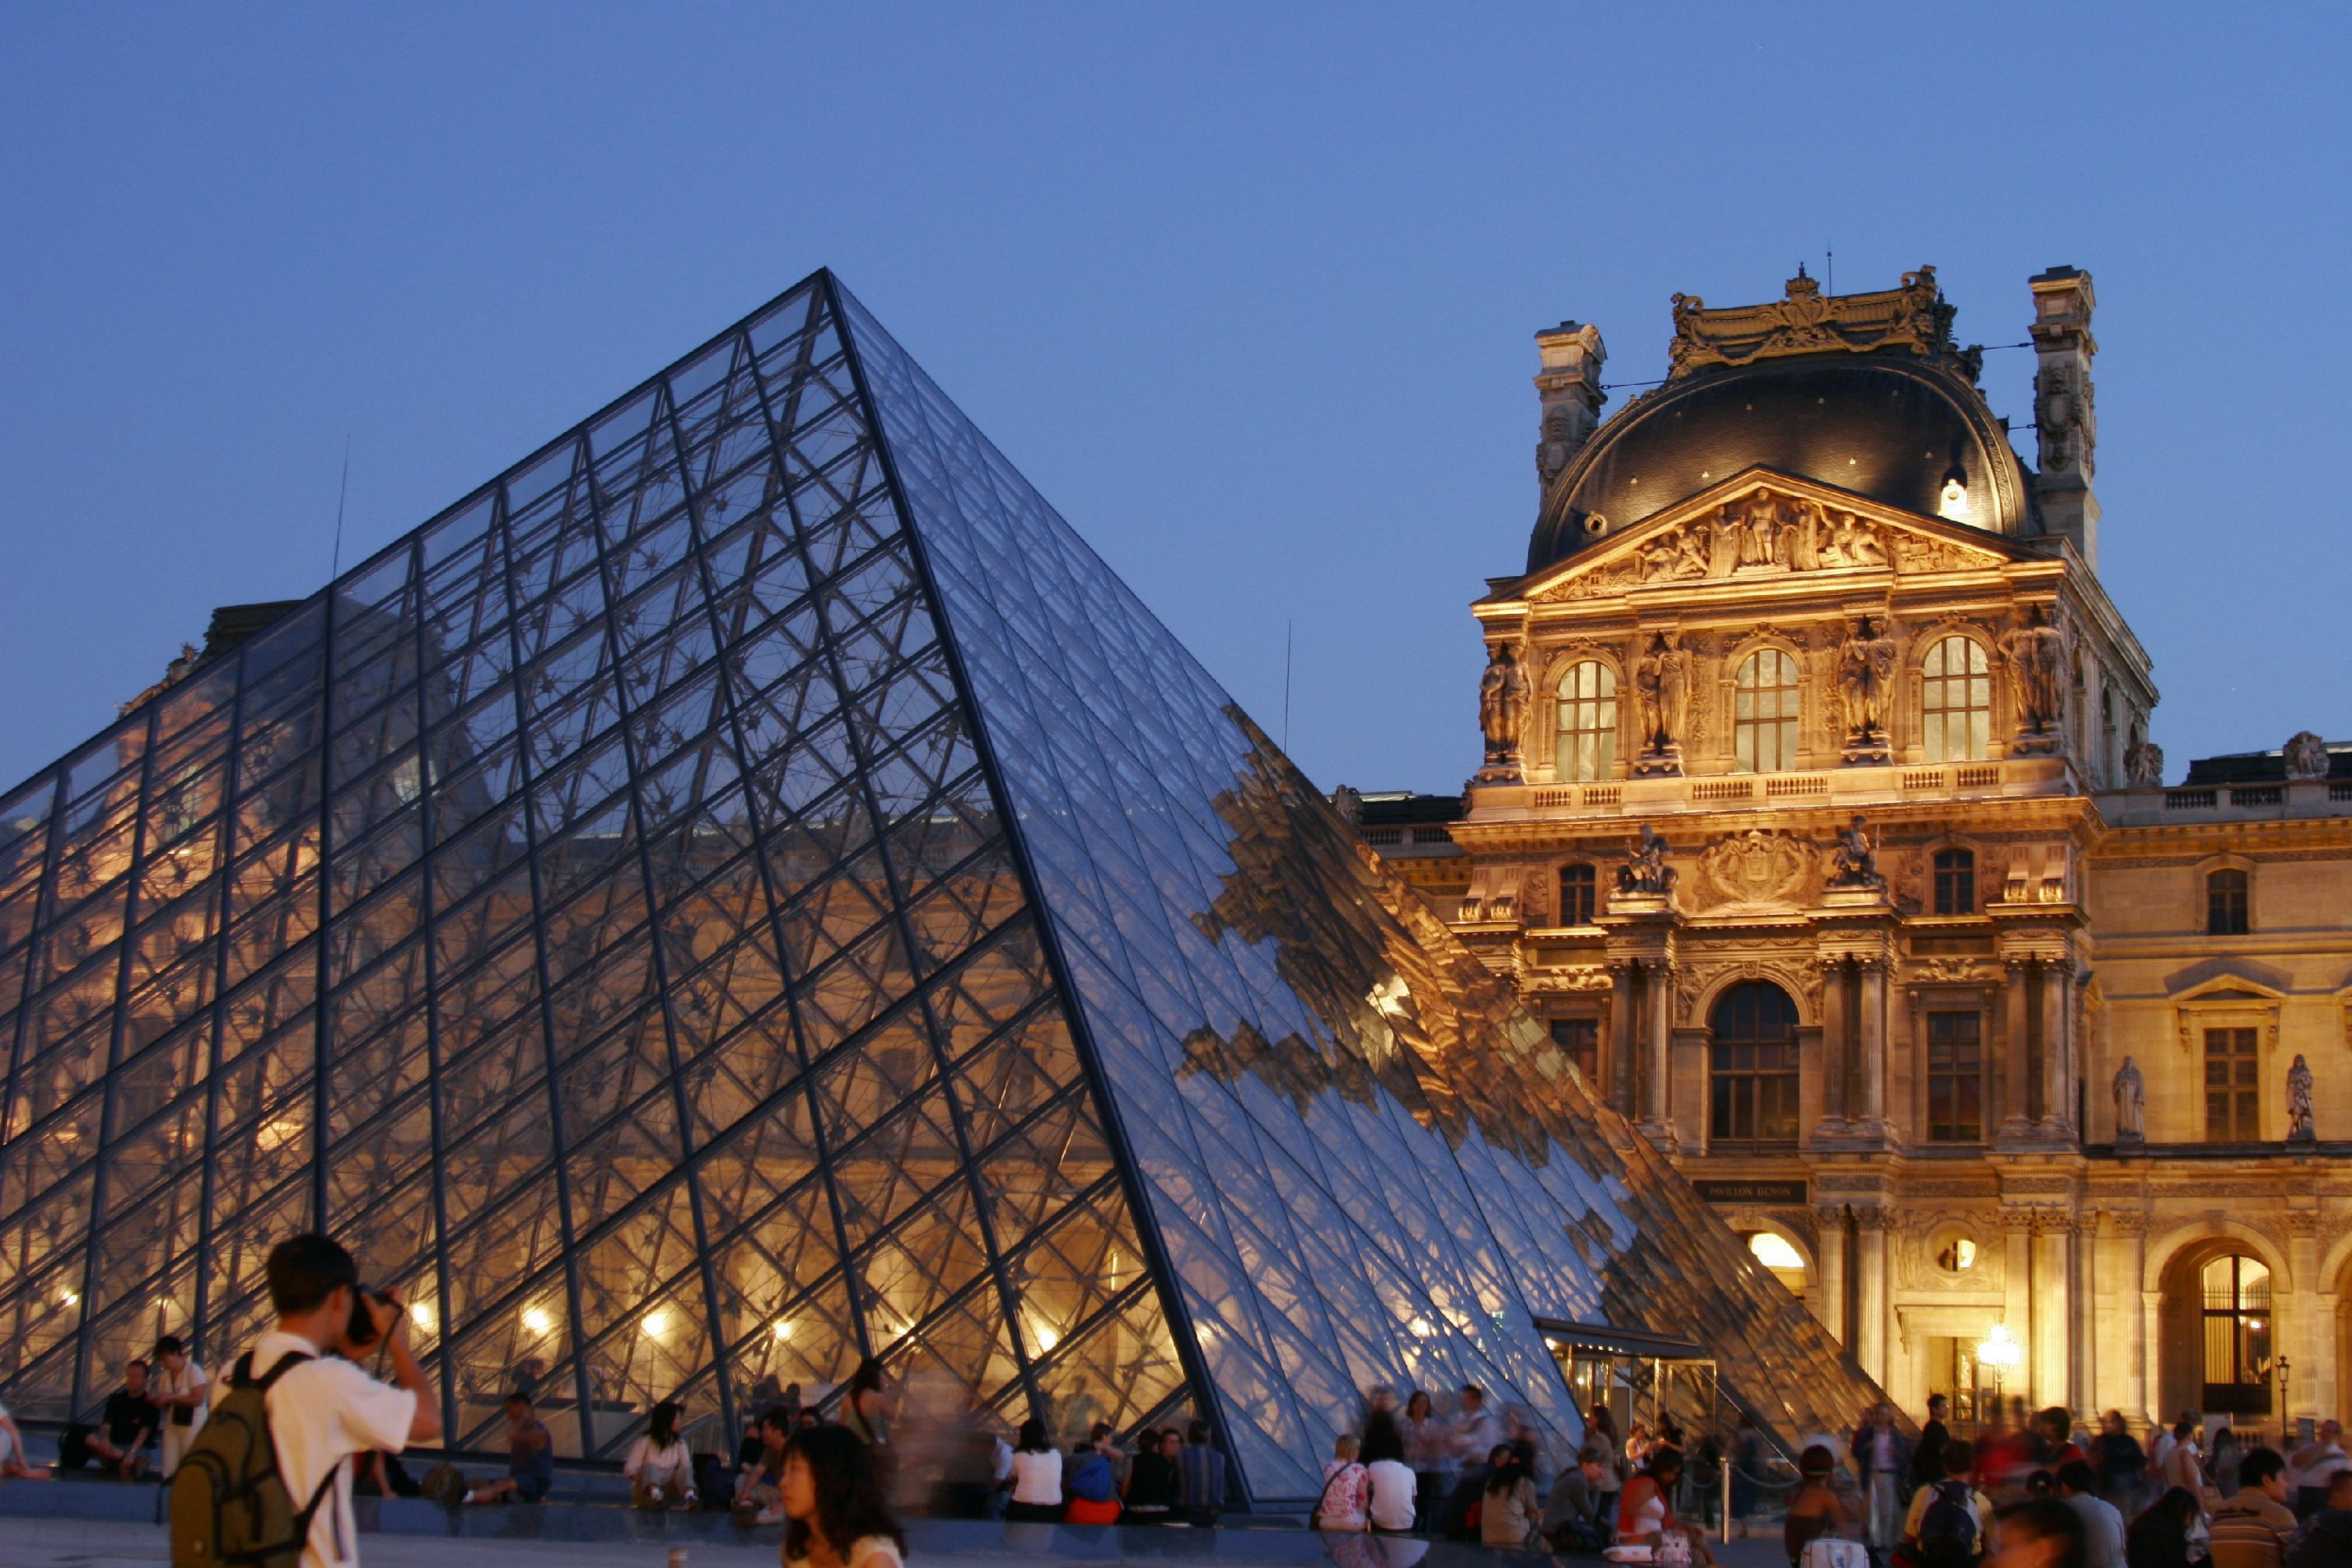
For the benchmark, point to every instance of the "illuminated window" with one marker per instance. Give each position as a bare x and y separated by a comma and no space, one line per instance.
1588,722
1956,711
1764,713
2226,912
1752,1063
1956,882
1954,1077
1579,895
2238,1327
2233,1086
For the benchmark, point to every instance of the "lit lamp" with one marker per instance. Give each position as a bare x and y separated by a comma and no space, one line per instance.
2284,1427
1999,1353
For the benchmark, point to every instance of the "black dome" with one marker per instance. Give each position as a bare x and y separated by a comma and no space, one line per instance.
1885,426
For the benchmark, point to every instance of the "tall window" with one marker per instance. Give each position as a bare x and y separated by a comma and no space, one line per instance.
1587,721
1957,687
1580,1040
1579,895
2238,1325
2225,904
1764,713
1954,1077
2233,1087
1956,882
1752,1061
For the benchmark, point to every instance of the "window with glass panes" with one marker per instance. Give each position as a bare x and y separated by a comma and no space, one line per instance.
1580,1040
2226,900
1579,895
1764,713
1956,882
1752,1066
2237,1328
1588,722
1956,701
1954,1077
2233,1087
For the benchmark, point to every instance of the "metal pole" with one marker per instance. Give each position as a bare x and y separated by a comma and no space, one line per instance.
1726,1468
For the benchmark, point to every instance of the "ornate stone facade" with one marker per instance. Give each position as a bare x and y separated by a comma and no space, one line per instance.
1906,890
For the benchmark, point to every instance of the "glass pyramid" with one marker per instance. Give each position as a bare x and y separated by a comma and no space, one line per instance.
749,888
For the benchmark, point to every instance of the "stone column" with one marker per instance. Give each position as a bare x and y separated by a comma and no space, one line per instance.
2054,1307
1870,1263
2017,1298
2126,1265
1836,1051
2089,1319
1624,1034
2308,1334
2016,1051
1829,1220
2057,1082
1871,1044
1656,1064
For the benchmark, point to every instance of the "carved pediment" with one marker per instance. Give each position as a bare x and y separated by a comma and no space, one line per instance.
1753,529
1757,867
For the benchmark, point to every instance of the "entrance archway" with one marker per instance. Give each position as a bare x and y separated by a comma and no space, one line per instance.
2218,1334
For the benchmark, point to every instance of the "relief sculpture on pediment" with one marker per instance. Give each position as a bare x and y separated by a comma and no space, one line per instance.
1758,866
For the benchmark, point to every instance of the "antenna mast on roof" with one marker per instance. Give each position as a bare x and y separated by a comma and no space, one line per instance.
1829,284
343,493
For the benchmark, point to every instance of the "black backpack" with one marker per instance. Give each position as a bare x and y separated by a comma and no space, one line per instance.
1948,1531
229,1503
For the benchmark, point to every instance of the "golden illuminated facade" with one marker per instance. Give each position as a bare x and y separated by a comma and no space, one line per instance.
1819,821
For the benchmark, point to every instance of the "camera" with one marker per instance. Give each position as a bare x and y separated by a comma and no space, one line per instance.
360,1330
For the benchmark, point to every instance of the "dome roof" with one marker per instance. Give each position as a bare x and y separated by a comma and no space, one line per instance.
1887,426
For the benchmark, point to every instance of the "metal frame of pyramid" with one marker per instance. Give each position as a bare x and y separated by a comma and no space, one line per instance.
747,890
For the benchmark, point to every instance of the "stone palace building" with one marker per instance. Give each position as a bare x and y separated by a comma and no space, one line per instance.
1819,820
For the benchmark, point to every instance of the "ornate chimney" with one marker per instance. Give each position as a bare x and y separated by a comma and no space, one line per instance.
2063,406
1569,387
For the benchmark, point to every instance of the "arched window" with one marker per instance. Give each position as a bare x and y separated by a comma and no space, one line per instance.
1956,882
1764,713
1588,722
2237,1336
1956,710
1579,895
2226,900
1752,1066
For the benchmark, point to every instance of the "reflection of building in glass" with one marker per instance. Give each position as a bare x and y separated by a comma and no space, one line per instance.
749,889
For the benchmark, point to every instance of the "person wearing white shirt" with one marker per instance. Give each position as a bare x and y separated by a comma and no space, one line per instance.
176,1388
1476,1432
325,1409
659,1468
1036,1477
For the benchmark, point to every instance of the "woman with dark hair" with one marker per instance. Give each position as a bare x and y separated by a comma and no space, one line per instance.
834,1512
660,1470
1645,1513
1394,1487
2160,1537
1507,1517
1036,1477
865,1411
1600,1432
2041,1533
1816,1510
1429,1450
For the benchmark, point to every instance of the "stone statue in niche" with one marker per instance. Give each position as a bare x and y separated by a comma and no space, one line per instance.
1662,694
1854,862
2143,764
1350,801
1866,686
2307,757
1502,713
1645,871
2298,1102
2036,653
2130,1090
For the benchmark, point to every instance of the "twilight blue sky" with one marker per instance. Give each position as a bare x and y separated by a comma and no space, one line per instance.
1247,290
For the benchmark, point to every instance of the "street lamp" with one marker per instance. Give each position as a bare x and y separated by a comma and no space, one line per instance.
2286,1427
2001,1353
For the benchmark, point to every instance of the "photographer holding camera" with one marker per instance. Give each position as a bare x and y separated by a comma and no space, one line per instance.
321,1409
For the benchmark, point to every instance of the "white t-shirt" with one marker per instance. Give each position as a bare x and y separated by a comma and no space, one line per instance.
162,1380
865,1551
1392,1488
320,1413
1037,1477
658,1467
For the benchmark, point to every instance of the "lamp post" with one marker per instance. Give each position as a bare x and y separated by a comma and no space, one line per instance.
2286,1442
2001,1353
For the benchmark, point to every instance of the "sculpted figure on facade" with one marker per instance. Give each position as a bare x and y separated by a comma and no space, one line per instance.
1866,688
2307,757
1854,862
2143,764
2036,653
1662,694
1645,871
2130,1090
2298,1102
1502,713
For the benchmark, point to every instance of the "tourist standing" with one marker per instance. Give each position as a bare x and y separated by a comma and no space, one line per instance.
1428,1450
2160,1537
2315,1466
659,1468
836,1514
1600,1432
2181,1468
2120,1462
1881,1460
1394,1490
2102,1523
2221,1466
176,1388
1036,1477
1346,1490
865,1411
1203,1477
1949,1523
1476,1430
1927,1457
2250,1531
